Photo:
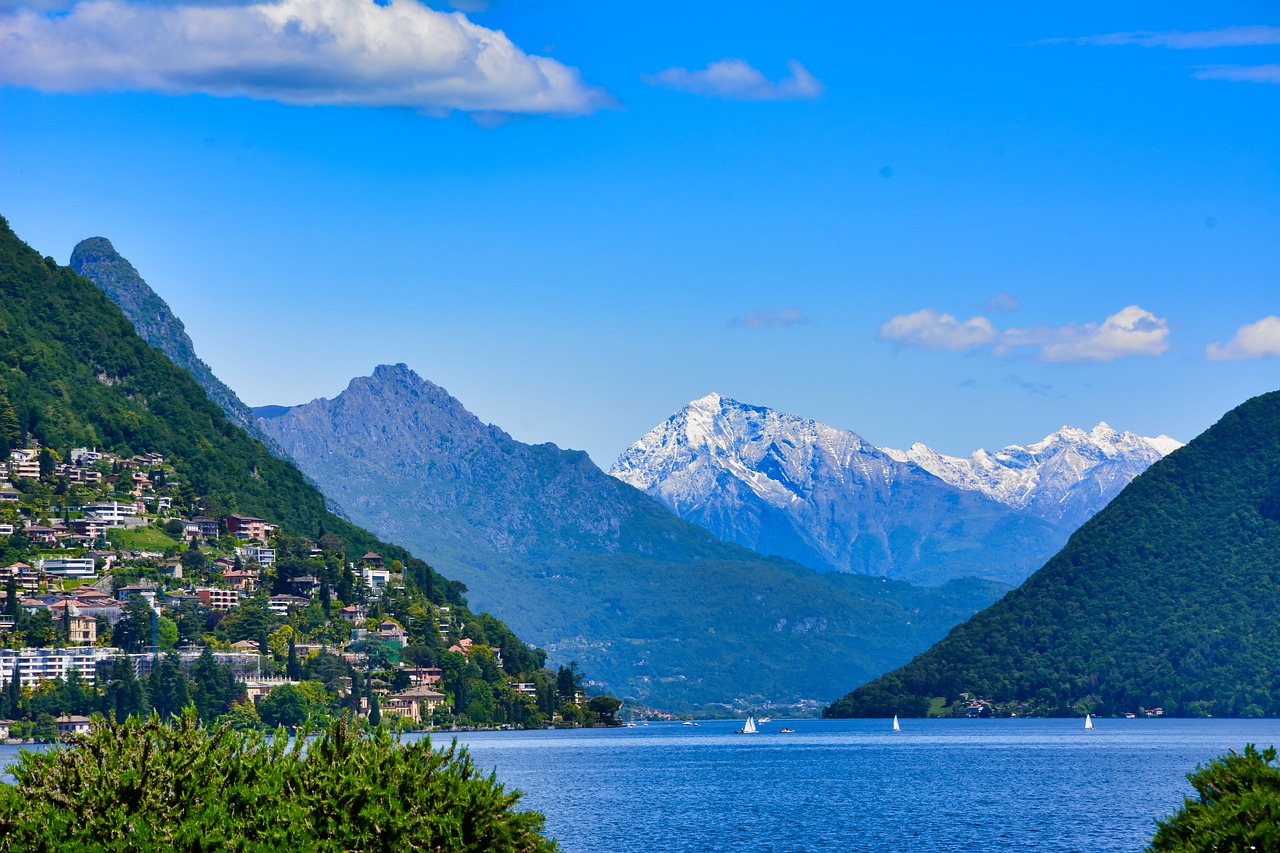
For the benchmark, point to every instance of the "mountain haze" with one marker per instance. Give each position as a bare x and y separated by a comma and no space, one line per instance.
592,568
1169,597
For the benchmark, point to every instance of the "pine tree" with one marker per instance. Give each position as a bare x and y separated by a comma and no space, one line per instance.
375,713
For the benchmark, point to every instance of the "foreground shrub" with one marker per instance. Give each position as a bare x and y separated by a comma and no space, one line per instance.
147,785
1237,807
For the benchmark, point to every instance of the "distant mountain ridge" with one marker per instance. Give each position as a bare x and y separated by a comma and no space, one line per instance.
1066,477
1168,598
97,260
593,569
787,485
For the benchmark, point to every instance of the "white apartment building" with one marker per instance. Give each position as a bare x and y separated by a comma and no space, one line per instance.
35,666
67,567
113,513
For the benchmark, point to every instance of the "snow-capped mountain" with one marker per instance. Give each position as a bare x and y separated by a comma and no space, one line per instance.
1066,477
825,497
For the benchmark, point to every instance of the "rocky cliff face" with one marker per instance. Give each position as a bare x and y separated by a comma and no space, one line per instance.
787,485
593,569
97,260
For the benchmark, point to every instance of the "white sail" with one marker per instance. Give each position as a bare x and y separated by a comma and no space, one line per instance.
750,727
1088,722
896,727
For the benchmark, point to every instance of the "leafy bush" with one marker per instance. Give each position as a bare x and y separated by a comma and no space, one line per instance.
1237,807
149,785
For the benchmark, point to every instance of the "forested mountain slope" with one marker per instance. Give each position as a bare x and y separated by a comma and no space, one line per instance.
77,374
1169,598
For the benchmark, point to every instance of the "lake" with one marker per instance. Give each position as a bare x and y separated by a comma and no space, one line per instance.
853,785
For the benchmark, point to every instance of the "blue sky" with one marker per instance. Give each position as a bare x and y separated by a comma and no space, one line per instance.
966,227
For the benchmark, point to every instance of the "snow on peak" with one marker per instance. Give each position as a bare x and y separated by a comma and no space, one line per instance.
1066,476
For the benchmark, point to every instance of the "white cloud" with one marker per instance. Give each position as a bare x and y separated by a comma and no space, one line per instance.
777,319
306,52
735,79
1131,331
932,330
1255,340
1240,73
1180,40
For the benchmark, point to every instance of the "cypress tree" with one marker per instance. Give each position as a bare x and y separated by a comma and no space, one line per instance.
375,713
291,667
15,695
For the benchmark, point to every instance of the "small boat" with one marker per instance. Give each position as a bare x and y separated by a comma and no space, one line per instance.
896,727
766,719
687,723
749,728
1088,723
786,731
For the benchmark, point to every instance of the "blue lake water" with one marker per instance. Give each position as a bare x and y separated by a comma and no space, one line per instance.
856,786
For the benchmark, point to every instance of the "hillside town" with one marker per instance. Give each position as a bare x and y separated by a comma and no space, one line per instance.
116,579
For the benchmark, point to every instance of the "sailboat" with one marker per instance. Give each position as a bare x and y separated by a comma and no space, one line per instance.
749,728
1088,723
896,727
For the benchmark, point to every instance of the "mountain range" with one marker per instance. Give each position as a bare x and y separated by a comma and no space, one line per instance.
783,484
593,569
1167,598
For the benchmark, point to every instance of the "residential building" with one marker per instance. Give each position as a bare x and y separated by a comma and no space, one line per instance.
113,513
376,580
283,603
4,729
40,533
265,557
423,675
393,632
416,703
241,579
218,599
202,525
35,666
73,724
85,456
354,613
247,527
67,567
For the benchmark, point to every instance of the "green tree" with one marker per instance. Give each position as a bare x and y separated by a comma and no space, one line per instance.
1236,808
133,632
122,694
291,667
284,706
168,691
375,711
185,788
606,707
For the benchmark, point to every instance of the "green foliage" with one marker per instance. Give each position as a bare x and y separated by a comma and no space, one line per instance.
1167,598
1237,807
145,785
283,706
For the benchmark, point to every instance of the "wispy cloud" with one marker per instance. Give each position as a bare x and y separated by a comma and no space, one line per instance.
770,319
1001,303
1132,331
1240,73
737,80
307,52
1181,40
1255,340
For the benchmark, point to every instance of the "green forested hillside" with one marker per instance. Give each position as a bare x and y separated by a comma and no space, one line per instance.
76,374
1169,598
